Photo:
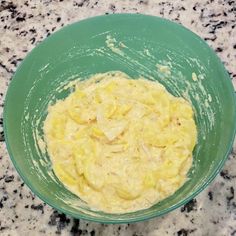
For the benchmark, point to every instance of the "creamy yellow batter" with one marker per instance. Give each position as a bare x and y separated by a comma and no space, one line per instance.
120,144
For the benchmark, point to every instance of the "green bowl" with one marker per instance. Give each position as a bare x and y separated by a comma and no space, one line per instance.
143,46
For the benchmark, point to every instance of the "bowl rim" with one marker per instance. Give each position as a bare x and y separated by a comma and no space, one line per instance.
139,218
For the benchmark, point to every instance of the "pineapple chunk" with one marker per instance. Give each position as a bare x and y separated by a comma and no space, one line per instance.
150,180
126,194
93,175
64,175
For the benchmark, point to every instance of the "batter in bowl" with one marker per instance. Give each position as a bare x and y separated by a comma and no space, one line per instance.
120,144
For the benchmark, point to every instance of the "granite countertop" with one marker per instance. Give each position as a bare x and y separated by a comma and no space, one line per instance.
23,24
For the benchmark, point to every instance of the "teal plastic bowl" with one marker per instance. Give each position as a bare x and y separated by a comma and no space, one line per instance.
138,45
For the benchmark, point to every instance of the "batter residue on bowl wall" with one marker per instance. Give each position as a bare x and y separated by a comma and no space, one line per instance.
144,63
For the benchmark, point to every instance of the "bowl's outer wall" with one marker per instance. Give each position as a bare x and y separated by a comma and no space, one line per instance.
80,50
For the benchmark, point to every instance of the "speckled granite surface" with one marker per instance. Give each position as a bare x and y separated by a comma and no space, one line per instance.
23,24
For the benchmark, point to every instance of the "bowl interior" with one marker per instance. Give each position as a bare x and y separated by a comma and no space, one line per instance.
139,46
